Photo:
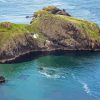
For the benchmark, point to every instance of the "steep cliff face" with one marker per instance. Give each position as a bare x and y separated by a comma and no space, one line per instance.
15,40
66,32
50,29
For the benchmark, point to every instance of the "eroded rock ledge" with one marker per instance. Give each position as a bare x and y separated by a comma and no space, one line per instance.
51,29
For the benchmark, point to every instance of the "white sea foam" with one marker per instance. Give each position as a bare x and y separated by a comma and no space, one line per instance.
85,87
51,73
50,76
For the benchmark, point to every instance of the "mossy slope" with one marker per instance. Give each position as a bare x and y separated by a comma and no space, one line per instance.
65,30
50,29
10,30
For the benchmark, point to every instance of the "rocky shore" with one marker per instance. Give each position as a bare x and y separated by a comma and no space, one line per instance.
51,29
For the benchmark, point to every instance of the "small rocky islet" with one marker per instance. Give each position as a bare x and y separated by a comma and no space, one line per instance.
2,79
51,29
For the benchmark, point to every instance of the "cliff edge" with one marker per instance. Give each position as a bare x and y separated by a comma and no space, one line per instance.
51,29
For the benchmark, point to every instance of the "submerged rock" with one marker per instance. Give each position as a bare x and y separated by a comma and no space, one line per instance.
2,79
51,29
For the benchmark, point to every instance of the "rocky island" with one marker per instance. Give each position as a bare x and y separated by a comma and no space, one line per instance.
51,29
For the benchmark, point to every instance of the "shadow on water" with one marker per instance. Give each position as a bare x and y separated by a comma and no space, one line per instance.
45,67
59,63
34,55
51,60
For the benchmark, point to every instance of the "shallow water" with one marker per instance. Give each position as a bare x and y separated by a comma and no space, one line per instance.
73,76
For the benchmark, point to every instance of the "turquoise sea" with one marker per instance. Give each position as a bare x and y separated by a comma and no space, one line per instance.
61,76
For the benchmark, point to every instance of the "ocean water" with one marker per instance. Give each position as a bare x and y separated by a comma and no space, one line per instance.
16,10
70,76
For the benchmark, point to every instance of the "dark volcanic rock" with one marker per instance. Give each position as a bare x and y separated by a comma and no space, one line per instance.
51,10
2,79
55,10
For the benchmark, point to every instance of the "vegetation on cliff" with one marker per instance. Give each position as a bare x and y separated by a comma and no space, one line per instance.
10,30
51,29
90,29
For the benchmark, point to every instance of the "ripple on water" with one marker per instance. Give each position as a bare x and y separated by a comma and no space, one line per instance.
51,73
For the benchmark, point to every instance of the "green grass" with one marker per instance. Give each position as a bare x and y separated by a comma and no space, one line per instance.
10,30
49,8
88,28
13,31
40,13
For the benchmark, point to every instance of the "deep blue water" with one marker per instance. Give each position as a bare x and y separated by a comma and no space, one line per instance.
72,76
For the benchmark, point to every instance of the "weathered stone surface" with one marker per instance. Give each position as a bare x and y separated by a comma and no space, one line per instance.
50,29
55,10
2,79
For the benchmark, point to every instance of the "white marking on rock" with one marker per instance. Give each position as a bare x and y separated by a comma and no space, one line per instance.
48,41
35,36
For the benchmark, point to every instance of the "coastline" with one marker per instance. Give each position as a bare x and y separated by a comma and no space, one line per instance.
50,30
30,55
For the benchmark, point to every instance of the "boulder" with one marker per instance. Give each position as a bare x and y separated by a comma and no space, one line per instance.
2,79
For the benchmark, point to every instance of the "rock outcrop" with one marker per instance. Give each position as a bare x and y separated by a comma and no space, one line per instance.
51,10
51,29
2,80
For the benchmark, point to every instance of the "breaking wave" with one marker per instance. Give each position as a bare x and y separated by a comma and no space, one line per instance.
84,84
86,88
50,76
51,73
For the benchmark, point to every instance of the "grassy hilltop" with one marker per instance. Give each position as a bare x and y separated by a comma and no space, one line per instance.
51,29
